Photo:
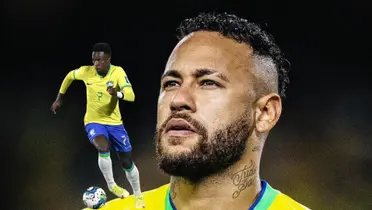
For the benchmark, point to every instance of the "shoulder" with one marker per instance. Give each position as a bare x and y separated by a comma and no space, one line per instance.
283,201
160,191
155,199
85,69
117,70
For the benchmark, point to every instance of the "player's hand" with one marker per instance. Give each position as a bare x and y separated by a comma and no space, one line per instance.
56,105
112,91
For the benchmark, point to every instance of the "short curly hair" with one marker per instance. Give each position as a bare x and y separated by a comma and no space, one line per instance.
102,47
243,31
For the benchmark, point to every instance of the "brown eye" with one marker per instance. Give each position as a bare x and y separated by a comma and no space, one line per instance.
170,83
209,83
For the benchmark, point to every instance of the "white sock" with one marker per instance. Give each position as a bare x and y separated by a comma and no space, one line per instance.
134,180
105,164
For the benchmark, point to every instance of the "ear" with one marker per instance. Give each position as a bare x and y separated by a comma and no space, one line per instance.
267,112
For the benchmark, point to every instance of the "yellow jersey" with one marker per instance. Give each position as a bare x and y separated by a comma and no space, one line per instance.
159,199
101,107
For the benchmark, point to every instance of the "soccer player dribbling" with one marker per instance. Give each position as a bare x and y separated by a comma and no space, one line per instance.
105,85
221,94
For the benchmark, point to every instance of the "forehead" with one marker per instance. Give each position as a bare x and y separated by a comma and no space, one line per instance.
98,55
210,50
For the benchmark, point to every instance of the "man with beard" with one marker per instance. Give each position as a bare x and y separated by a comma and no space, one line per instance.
220,96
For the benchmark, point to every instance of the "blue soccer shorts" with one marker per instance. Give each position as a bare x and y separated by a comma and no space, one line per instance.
115,134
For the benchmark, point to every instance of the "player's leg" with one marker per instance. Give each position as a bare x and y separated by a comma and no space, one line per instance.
131,171
98,136
121,143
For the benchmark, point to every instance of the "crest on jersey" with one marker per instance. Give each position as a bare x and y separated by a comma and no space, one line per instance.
110,84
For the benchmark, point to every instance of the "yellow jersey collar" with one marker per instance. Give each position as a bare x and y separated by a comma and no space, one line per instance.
108,72
263,202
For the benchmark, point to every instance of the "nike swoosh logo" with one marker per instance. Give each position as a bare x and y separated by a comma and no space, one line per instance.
89,83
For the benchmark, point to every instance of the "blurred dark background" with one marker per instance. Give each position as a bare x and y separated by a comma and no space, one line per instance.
319,153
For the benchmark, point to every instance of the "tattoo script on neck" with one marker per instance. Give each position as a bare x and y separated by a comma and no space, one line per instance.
174,185
244,178
256,149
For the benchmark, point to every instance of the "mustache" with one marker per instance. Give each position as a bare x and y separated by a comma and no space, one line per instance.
198,126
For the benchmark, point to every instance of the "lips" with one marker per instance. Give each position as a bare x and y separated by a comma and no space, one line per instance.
175,125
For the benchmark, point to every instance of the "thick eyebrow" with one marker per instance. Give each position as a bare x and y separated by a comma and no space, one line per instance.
171,73
197,74
203,72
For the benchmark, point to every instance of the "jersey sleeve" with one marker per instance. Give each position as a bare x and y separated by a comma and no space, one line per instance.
123,80
125,85
77,74
80,73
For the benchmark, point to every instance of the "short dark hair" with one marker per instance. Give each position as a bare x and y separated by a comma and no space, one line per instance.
102,47
242,31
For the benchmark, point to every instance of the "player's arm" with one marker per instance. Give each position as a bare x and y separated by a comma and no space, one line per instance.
126,91
77,74
69,78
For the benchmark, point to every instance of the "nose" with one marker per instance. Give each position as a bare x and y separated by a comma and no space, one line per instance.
183,100
96,63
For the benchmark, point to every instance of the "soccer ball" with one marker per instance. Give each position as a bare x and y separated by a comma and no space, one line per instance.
94,197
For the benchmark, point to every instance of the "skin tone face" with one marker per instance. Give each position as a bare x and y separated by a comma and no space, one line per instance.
101,62
211,123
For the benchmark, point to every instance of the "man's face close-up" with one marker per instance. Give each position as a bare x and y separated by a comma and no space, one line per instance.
205,106
100,61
